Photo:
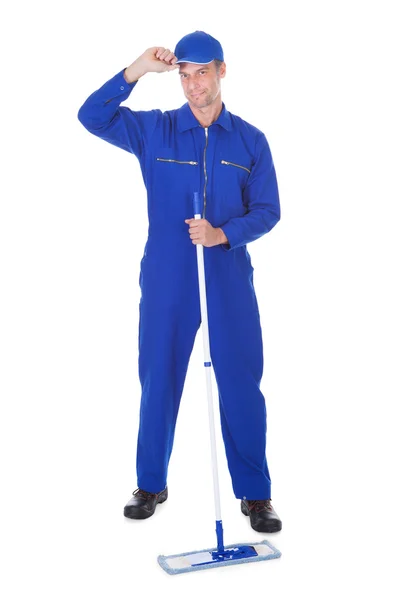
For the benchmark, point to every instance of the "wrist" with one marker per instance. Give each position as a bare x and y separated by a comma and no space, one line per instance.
133,73
222,237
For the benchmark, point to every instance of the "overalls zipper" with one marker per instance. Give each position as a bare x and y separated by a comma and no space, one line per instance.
184,162
205,174
225,162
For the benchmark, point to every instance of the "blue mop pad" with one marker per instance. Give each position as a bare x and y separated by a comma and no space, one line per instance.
210,558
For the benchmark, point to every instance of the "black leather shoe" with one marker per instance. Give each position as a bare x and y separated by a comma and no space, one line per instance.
262,516
143,504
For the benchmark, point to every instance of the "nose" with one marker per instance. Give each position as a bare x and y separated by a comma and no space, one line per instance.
194,87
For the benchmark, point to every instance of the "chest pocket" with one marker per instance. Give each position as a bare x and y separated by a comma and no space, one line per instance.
180,162
173,157
233,172
174,169
227,162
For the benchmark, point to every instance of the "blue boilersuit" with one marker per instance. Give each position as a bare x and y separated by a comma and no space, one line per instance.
230,164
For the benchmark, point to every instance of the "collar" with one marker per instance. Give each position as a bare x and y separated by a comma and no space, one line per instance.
187,120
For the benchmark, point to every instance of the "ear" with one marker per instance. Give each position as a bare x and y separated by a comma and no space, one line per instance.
222,71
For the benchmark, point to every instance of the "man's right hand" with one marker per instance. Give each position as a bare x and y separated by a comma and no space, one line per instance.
156,60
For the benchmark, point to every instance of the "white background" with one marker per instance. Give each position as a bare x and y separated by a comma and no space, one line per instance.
321,80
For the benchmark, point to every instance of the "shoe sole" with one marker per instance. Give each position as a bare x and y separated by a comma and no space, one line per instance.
143,514
272,528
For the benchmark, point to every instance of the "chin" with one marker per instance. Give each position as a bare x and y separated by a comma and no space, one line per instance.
200,102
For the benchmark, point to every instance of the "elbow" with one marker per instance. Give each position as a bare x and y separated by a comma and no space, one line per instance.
271,218
88,117
276,212
276,217
82,117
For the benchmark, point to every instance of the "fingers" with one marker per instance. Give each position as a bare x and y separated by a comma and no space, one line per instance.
166,55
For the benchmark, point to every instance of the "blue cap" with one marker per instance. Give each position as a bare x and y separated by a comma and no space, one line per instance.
198,47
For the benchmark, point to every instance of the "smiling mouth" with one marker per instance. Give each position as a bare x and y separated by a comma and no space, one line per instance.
199,94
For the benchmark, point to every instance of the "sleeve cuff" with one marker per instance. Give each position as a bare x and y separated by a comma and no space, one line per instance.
122,83
227,246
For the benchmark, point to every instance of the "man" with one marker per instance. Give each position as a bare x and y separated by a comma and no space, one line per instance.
199,147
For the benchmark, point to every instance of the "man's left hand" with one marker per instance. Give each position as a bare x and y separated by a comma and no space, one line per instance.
202,232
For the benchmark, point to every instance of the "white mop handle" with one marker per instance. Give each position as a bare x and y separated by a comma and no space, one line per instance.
207,364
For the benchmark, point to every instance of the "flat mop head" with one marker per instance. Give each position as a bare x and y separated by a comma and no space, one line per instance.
207,559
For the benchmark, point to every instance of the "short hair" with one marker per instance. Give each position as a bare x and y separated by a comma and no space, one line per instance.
218,64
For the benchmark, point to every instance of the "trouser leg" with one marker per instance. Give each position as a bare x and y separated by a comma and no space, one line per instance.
166,338
237,356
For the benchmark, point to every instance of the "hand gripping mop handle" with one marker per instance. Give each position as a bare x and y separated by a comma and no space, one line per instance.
207,363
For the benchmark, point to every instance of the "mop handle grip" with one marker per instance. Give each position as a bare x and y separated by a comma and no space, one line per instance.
196,203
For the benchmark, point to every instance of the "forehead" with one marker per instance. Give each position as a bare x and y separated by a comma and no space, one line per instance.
194,67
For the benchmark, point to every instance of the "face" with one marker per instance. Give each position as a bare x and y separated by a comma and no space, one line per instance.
201,83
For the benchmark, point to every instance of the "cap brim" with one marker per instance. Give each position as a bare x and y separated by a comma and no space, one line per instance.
195,62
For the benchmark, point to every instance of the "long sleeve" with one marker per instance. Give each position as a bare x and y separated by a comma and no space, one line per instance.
102,115
261,198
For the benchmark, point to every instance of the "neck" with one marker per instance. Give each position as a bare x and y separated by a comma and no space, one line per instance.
207,115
